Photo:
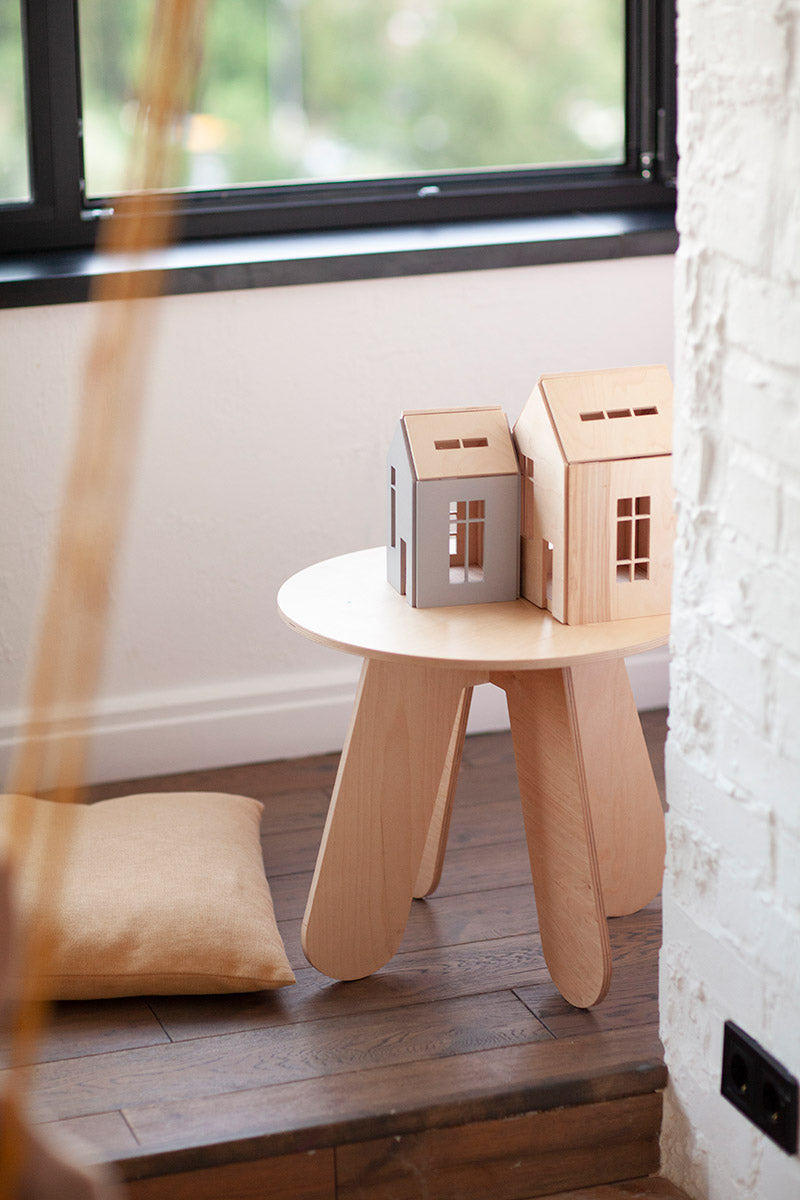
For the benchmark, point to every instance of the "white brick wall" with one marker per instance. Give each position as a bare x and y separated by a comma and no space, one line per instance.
732,887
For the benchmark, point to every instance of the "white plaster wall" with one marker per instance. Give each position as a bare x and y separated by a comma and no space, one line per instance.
268,418
732,891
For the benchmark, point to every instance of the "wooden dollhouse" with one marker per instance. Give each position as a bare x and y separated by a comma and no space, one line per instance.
453,508
595,452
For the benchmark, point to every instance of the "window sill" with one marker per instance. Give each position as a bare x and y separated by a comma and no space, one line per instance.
284,260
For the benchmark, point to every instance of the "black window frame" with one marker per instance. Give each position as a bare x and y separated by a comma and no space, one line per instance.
60,218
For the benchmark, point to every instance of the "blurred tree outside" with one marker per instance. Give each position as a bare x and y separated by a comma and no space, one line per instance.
303,90
14,178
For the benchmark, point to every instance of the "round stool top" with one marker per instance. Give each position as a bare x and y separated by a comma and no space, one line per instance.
348,603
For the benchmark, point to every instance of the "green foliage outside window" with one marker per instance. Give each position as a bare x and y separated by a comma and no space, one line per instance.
14,181
350,89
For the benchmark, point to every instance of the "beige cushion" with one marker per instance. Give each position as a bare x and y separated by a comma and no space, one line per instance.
162,893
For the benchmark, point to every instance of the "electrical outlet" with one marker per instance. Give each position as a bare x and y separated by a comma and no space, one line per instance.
760,1087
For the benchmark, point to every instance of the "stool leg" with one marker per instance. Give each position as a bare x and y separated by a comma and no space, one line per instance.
430,869
379,816
558,827
627,817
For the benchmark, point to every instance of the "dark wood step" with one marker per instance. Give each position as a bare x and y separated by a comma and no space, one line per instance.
510,1158
308,1177
200,1101
651,1188
523,1156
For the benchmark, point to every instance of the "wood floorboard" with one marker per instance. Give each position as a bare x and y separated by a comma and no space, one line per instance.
437,975
468,871
287,851
80,1028
447,920
107,1137
215,1063
461,1028
477,868
450,921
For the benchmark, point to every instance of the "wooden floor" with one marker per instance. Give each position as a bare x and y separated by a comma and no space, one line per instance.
456,1071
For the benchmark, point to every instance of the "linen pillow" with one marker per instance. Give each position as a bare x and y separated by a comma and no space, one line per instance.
161,894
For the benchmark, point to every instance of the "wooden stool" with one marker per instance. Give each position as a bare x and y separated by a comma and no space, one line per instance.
593,817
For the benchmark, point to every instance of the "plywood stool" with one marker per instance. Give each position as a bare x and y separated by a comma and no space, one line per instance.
593,818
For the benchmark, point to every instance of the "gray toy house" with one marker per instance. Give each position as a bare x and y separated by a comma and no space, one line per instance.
453,510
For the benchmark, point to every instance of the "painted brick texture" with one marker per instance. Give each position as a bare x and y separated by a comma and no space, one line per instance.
732,886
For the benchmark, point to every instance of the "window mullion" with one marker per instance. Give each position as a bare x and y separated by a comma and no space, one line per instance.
651,88
65,118
667,105
53,217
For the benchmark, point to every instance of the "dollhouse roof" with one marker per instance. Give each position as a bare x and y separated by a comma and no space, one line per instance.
608,415
459,443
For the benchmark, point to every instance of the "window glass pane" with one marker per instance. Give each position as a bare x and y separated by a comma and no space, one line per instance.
111,39
297,90
14,171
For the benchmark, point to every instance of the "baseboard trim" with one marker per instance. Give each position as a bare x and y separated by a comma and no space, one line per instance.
649,676
286,716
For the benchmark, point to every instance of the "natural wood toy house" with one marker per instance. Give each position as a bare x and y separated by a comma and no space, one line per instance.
453,510
597,521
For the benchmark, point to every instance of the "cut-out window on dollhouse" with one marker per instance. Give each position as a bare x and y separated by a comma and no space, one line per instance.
614,414
393,506
547,575
526,466
469,443
467,531
633,538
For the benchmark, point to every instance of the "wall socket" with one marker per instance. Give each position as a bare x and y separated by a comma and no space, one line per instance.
760,1087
